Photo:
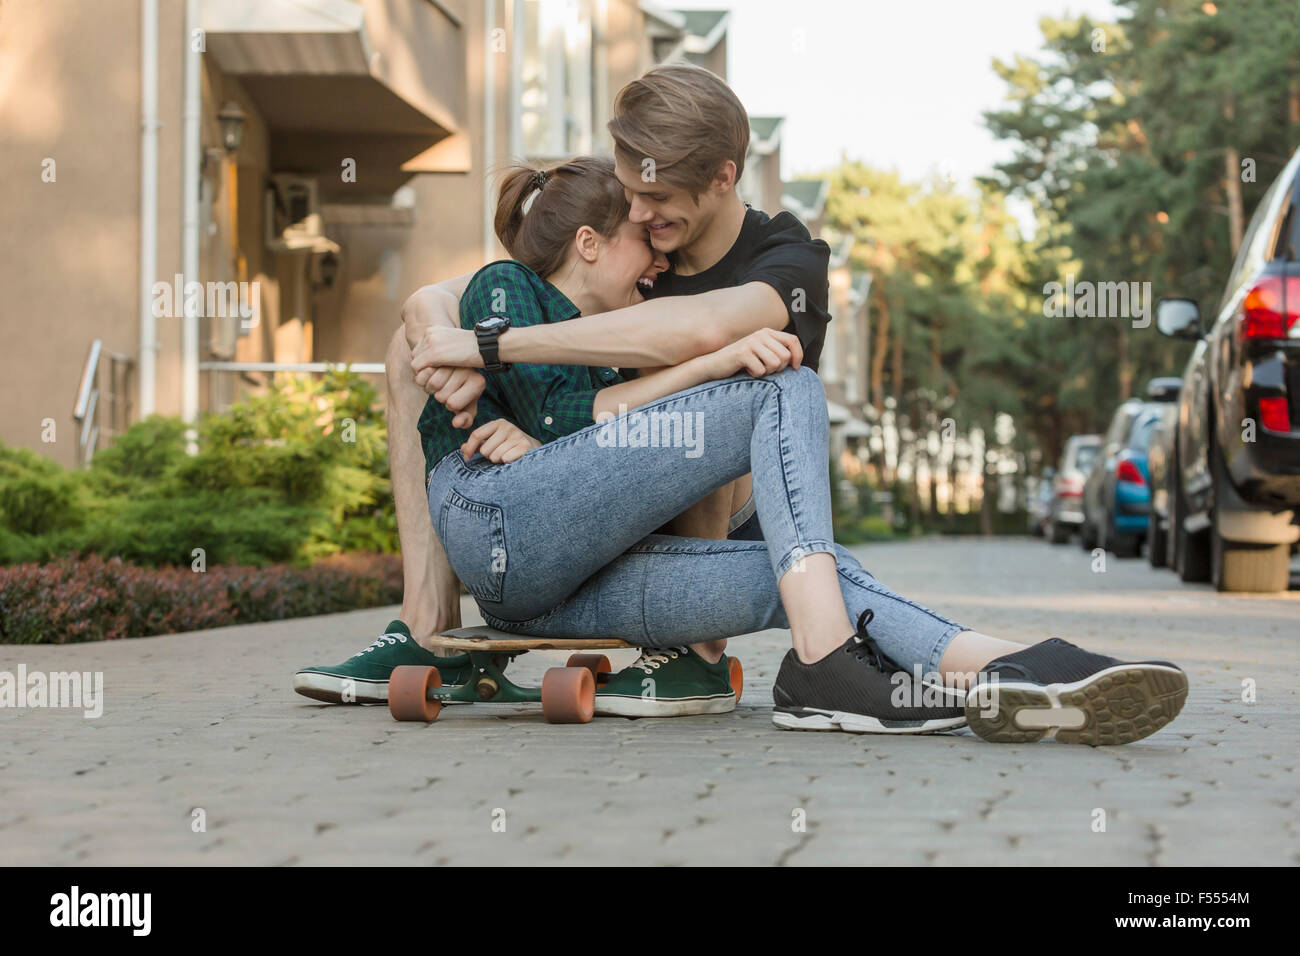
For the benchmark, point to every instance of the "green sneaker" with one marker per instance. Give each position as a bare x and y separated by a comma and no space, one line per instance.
363,677
668,682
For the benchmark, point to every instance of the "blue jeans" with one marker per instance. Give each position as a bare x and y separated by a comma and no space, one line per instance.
559,543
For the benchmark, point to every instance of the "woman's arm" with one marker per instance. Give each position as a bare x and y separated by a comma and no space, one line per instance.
759,353
667,331
762,353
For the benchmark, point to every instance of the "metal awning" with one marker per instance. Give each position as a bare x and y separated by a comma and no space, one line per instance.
331,75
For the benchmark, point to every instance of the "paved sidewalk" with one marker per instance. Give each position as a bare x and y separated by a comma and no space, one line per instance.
208,720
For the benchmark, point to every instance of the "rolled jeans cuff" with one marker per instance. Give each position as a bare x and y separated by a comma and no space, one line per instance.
801,551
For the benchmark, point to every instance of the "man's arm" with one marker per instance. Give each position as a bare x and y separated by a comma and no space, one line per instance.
438,305
657,332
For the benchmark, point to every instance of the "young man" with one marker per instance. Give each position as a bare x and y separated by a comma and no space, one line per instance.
680,137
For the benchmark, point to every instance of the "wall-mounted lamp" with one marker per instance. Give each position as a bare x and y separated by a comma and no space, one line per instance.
231,119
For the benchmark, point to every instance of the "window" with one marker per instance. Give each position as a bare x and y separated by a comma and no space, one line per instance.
1083,456
1140,439
551,78
1255,246
1118,429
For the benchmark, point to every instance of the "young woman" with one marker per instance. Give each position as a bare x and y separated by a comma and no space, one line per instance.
547,509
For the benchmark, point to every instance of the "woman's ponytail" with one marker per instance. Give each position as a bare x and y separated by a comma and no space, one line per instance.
539,211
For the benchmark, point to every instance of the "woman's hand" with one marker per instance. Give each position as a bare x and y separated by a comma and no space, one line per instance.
457,389
499,441
760,353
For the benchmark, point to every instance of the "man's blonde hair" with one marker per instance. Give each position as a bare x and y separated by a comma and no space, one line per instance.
683,118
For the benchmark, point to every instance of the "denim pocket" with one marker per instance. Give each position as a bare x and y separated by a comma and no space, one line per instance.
473,535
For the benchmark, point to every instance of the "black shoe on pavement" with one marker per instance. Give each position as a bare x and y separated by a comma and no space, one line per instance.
858,689
1054,689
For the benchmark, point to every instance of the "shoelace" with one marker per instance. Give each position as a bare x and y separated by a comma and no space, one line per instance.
867,650
380,641
651,658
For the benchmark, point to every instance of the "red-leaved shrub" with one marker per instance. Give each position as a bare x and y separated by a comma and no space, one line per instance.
92,599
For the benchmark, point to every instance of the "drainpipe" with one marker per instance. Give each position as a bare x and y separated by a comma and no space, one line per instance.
489,124
148,202
190,163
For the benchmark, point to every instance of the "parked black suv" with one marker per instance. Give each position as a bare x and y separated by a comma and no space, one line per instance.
1234,482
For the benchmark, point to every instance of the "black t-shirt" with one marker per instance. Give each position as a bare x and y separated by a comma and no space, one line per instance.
777,250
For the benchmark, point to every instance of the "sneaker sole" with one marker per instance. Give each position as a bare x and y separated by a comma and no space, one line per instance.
618,706
1115,706
810,719
329,689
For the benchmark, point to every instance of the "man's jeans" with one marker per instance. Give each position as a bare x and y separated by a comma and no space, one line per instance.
558,543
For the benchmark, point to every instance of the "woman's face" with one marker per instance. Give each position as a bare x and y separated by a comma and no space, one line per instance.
624,264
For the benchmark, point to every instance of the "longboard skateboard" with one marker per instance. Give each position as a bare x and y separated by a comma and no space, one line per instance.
567,694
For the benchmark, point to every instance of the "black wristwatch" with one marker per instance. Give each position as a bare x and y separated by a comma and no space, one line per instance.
488,331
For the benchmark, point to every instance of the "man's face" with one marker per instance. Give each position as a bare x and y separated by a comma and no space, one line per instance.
672,217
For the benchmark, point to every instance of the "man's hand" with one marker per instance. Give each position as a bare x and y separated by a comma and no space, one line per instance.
440,345
499,441
760,353
458,389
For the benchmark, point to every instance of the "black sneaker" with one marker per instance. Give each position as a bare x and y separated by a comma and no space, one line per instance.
1057,690
858,689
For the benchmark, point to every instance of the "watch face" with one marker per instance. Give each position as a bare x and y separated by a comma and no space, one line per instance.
493,323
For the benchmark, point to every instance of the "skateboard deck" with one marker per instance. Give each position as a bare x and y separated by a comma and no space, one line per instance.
567,694
490,639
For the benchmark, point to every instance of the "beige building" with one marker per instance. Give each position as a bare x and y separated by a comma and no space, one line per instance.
334,154
307,162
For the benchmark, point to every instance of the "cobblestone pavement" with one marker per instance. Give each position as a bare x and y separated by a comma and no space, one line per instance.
208,720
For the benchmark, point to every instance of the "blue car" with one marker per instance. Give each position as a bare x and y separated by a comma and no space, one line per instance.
1117,491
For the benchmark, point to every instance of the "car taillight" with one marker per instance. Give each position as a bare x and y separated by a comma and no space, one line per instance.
1127,471
1274,414
1270,308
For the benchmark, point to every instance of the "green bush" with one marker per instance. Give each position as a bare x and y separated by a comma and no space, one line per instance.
245,527
290,476
861,522
864,529
36,495
141,456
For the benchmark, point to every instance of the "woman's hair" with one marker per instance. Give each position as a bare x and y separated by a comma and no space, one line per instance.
565,197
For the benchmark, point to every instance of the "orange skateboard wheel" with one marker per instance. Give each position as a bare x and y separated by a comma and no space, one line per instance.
737,675
408,693
568,695
598,664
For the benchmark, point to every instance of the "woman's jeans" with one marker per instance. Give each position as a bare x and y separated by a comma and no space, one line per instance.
558,543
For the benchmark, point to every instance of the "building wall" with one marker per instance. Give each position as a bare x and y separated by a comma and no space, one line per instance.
382,265
69,259
69,252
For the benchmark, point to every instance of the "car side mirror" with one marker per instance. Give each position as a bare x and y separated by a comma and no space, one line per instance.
1178,318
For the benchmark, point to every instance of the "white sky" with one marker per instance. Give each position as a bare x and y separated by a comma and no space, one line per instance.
898,83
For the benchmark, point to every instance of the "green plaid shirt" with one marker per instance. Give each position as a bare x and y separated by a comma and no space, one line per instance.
546,401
